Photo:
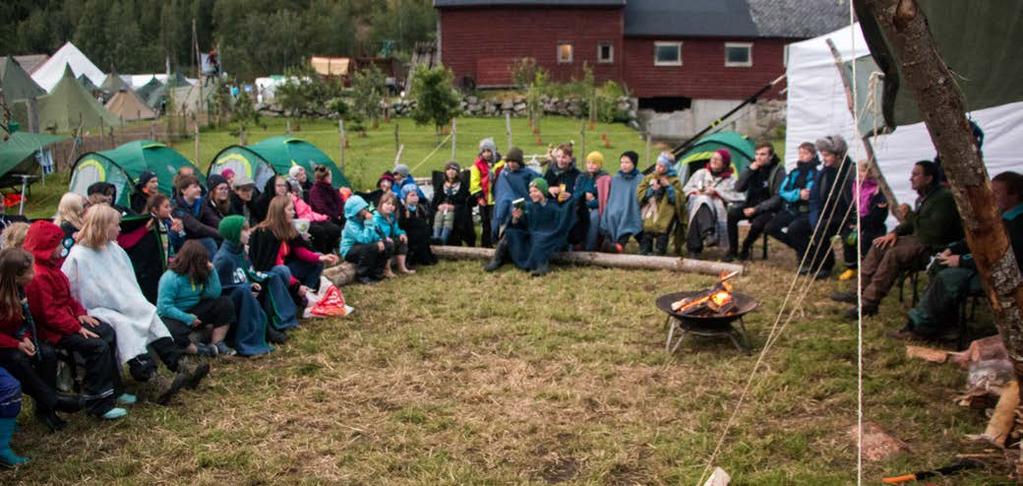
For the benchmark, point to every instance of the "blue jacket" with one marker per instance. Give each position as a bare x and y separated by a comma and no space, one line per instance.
357,231
387,226
588,183
178,294
801,177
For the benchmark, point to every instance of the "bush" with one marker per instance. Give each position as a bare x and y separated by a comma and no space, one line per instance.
436,100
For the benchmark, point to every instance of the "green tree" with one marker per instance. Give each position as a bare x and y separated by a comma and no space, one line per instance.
435,96
368,88
91,33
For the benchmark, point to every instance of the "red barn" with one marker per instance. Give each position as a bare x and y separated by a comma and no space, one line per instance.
667,52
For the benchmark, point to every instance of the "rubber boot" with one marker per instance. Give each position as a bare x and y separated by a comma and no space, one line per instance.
8,458
499,255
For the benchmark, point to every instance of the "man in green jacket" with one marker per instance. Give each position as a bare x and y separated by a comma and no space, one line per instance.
955,275
926,230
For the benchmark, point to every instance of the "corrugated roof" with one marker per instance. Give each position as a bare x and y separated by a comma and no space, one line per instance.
537,3
690,18
799,19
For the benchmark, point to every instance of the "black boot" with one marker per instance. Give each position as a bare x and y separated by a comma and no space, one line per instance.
541,270
497,260
662,244
51,420
68,403
646,244
275,337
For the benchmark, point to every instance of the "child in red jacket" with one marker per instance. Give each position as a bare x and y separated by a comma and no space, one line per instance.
62,322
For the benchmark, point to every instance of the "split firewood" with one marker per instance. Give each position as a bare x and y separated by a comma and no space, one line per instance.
926,354
878,444
1003,418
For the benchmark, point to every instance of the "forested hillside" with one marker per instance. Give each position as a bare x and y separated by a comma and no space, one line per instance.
256,37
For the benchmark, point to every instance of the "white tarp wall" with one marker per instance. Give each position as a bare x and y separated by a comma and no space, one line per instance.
49,73
817,107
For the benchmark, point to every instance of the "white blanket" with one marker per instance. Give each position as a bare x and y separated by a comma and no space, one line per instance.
104,282
702,180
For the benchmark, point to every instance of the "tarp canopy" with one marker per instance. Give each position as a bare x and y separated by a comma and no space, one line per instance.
979,41
16,83
17,153
740,147
127,106
67,106
123,165
48,74
275,155
817,107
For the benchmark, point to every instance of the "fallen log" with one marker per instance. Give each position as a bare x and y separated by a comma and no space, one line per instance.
610,260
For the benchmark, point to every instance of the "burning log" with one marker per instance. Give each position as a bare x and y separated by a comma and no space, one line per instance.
717,301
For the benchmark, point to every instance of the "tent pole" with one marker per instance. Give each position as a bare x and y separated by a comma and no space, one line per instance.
882,183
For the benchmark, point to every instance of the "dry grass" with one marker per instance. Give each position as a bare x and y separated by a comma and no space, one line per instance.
451,376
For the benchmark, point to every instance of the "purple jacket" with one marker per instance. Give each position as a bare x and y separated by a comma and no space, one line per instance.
326,200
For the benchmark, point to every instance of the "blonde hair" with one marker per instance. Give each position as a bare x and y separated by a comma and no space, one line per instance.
13,235
71,209
94,230
277,219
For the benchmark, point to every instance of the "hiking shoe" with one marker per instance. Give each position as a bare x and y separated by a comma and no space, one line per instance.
225,351
846,297
114,414
849,274
206,350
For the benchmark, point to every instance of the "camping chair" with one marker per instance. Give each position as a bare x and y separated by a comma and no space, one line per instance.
967,313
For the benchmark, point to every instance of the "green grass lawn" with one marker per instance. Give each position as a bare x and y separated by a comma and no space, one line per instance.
452,376
368,156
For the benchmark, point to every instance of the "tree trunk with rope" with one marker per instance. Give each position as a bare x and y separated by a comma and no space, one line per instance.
943,108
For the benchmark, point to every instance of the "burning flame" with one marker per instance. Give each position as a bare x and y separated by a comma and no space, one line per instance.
718,299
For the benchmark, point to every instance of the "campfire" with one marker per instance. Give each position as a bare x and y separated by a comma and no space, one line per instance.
717,301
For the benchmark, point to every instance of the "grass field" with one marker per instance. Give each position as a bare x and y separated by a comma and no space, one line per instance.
368,156
452,376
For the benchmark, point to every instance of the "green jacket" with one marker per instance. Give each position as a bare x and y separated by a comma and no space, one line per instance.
670,202
935,222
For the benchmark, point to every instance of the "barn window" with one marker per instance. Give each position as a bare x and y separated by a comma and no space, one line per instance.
667,53
738,54
564,53
605,53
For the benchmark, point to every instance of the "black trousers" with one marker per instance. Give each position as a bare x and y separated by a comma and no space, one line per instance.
779,225
368,259
700,227
864,240
758,222
486,235
325,236
30,371
819,254
102,383
217,312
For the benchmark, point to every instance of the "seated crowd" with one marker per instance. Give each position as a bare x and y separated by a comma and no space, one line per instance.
225,269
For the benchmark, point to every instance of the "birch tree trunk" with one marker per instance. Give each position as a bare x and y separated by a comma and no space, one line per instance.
943,109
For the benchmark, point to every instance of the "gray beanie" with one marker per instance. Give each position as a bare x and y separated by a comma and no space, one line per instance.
401,169
488,144
832,143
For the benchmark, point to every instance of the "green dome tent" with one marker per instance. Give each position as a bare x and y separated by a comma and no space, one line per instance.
699,153
123,165
275,155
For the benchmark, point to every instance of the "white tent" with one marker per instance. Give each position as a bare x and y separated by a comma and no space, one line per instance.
817,107
48,74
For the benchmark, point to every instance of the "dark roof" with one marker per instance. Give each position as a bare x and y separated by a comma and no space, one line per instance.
537,3
799,19
690,18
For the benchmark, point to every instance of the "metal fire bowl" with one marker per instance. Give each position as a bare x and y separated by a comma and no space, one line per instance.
744,304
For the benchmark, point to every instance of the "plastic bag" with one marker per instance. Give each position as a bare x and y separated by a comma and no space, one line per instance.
327,302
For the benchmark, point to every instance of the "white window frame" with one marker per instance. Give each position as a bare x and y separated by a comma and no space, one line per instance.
676,44
785,56
611,51
749,48
571,53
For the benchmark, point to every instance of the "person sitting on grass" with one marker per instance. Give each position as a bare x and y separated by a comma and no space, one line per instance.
403,177
536,231
954,275
872,213
218,200
243,196
451,207
276,242
263,322
196,215
661,198
622,219
384,184
710,191
361,244
20,351
62,322
152,245
13,236
592,187
117,300
10,407
70,216
299,182
386,222
930,228
760,181
326,200
190,301
512,184
147,187
324,235
414,220
106,193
